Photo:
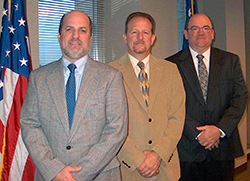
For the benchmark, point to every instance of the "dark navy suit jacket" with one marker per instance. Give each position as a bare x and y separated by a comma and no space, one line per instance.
226,101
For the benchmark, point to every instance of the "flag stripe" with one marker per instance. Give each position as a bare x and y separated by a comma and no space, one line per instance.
19,160
29,170
21,153
10,80
12,106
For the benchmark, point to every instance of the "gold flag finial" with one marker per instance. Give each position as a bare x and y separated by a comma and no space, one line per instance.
192,7
9,1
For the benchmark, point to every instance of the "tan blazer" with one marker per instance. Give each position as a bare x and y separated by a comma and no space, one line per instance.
158,127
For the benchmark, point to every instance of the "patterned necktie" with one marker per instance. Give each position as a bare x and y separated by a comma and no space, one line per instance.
71,93
143,79
203,75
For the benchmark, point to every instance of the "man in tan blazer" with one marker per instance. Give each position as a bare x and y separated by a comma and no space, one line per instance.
156,121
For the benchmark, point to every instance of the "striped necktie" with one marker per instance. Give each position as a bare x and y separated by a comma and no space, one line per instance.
143,80
203,75
71,93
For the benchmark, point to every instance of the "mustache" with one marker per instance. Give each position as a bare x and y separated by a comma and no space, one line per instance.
75,40
139,42
201,34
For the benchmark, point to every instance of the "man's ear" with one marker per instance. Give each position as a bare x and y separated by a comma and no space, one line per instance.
153,39
185,34
58,37
125,38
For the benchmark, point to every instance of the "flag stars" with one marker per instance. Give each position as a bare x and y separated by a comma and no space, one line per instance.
23,62
5,12
17,45
7,53
1,84
12,29
21,22
16,5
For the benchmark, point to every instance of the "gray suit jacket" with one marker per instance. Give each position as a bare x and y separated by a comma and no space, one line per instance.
99,125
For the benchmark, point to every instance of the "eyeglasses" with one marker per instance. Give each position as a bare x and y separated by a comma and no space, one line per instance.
195,29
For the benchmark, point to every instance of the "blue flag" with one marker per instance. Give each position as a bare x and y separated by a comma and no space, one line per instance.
191,9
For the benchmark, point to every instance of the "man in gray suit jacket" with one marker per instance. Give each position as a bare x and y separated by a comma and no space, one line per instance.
86,148
210,140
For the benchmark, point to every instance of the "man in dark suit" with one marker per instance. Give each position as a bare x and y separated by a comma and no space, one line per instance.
216,97
78,142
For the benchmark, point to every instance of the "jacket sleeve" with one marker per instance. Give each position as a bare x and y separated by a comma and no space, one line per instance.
238,99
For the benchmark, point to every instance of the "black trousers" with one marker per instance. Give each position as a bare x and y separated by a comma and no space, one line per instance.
207,170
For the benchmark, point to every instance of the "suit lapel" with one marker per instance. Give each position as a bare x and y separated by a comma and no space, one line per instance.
155,77
214,73
188,69
55,82
88,87
131,80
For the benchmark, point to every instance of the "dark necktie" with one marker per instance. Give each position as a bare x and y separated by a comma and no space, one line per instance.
143,80
203,75
71,93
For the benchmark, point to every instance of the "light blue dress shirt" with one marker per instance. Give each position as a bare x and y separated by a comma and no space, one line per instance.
80,66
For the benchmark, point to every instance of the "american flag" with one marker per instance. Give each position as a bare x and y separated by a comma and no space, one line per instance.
191,9
15,67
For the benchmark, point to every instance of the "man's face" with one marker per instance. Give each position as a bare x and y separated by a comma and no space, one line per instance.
139,37
201,39
75,38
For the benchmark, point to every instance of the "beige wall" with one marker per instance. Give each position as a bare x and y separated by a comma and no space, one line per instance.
235,36
32,15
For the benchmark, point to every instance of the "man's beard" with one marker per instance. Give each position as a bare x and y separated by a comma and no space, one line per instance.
73,56
141,48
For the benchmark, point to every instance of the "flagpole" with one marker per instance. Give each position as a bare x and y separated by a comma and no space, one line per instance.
192,7
9,1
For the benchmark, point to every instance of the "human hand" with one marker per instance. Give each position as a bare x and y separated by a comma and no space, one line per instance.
215,145
65,174
209,136
151,164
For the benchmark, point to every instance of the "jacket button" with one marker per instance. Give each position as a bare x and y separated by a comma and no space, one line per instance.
68,147
150,142
150,120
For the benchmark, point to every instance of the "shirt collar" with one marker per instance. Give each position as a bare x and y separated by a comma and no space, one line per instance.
206,54
134,61
80,64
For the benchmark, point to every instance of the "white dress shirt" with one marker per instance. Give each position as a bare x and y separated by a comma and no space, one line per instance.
206,59
137,69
